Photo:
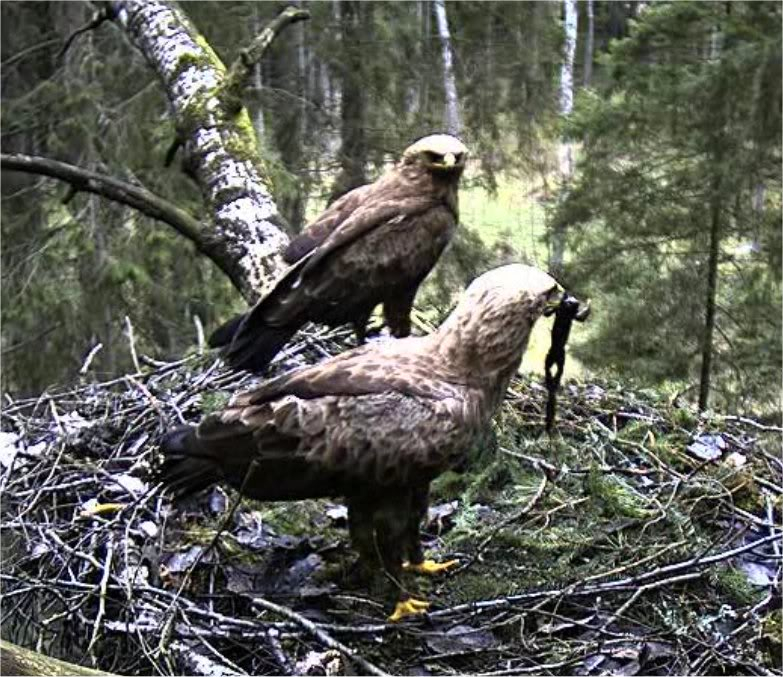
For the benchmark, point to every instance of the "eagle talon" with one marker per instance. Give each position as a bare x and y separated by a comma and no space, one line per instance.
430,567
409,607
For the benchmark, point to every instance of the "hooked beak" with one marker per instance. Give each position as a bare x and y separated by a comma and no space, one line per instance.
554,303
449,160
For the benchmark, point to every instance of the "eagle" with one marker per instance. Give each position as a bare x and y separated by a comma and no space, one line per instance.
376,244
374,425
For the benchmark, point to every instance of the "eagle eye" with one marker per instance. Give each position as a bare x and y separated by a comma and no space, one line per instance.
432,157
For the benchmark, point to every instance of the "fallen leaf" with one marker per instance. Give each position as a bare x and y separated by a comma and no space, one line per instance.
461,638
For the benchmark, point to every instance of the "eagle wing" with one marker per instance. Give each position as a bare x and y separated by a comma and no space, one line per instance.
334,429
315,233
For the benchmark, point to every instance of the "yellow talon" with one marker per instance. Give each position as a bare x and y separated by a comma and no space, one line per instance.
409,607
430,567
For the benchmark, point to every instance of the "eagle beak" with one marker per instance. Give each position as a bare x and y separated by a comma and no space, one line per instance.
449,160
553,304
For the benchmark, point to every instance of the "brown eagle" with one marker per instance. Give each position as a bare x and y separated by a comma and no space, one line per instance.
374,425
374,245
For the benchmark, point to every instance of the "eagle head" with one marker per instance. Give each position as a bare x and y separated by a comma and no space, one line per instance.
489,329
439,153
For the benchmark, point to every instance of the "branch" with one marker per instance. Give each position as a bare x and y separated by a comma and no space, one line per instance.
320,635
16,660
217,137
105,13
242,68
137,197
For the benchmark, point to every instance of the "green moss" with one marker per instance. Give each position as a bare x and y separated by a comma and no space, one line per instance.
211,402
670,449
734,583
617,496
684,418
215,60
477,585
449,486
772,634
296,518
190,60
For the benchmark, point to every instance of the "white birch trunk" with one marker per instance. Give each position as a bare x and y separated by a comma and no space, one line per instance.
566,100
452,118
218,138
258,81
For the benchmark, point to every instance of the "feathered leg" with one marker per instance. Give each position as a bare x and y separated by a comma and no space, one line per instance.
391,521
361,531
359,324
420,499
397,313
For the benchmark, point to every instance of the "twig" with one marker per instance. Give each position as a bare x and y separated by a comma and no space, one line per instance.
644,588
504,523
754,424
102,597
242,68
319,634
90,356
132,343
273,636
106,13
200,342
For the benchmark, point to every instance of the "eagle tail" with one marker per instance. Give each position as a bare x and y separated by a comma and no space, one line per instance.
187,468
249,344
223,335
253,348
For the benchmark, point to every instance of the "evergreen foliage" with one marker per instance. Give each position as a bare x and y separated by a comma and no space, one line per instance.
685,136
681,122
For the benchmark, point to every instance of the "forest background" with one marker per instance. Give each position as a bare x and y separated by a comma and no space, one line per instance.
633,147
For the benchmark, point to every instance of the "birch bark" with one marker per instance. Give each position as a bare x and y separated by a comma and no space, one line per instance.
217,136
565,150
452,120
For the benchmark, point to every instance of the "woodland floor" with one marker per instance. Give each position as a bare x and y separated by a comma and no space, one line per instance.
640,538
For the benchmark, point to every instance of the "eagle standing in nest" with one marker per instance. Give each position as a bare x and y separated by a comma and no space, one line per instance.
374,245
375,424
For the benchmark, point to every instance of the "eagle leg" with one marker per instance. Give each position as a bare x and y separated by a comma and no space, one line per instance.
359,324
397,313
361,531
392,520
420,498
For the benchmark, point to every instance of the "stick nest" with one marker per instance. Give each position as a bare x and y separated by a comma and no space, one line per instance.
640,538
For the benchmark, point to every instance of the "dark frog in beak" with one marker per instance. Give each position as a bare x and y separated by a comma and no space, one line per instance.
566,309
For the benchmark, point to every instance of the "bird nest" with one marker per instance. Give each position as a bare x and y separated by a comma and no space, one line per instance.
640,537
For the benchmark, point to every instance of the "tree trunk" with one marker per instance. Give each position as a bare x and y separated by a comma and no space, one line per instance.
217,137
353,104
15,660
589,37
287,75
565,150
712,292
452,118
258,80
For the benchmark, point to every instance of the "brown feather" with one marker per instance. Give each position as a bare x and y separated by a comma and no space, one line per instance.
374,245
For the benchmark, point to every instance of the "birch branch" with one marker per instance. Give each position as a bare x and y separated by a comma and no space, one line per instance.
216,135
